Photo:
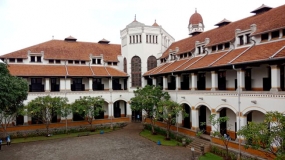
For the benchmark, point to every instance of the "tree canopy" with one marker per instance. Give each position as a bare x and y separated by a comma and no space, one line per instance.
146,99
88,107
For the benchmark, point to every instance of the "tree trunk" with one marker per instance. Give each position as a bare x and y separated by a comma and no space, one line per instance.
167,132
47,127
152,126
66,125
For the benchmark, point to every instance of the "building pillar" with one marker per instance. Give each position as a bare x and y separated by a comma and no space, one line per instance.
47,84
90,84
165,83
110,110
281,33
110,84
129,110
154,81
178,82
195,118
194,81
241,79
242,120
190,80
215,128
144,82
275,78
214,79
179,119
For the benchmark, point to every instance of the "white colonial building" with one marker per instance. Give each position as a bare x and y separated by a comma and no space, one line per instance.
234,70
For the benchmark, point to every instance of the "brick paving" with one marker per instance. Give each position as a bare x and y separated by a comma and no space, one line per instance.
124,144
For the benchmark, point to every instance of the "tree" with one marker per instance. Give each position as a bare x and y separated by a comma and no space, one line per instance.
88,107
64,109
13,92
44,108
216,132
268,135
146,99
168,111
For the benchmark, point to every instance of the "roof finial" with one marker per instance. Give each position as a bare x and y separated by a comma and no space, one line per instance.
135,17
155,20
195,10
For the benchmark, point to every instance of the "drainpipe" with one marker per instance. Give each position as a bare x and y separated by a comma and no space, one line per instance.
176,89
112,106
239,89
65,96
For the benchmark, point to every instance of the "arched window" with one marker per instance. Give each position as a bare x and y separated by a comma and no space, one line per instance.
125,65
151,62
136,71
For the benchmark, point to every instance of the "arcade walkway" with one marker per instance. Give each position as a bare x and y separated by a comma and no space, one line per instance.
124,144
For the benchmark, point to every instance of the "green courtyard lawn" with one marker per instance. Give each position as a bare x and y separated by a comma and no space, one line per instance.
56,136
210,156
147,134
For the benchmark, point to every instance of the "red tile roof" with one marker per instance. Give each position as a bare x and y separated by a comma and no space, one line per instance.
66,50
228,57
206,61
36,70
79,71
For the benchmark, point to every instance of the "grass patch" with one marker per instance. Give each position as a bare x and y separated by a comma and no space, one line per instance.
210,156
147,134
57,136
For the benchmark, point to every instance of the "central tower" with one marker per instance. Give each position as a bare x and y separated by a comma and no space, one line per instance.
196,24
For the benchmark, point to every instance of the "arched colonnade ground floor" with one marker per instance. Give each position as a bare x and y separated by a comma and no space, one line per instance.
199,119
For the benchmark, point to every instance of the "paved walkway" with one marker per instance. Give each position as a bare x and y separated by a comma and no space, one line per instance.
124,144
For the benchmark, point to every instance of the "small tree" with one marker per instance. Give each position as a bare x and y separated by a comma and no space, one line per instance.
146,99
216,132
63,108
43,108
13,92
268,135
88,107
168,111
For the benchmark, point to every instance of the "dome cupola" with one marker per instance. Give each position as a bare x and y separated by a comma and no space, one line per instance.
196,24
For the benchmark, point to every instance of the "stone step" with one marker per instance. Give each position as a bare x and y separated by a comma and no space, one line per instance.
196,144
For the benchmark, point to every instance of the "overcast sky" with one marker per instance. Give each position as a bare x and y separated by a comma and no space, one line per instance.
24,23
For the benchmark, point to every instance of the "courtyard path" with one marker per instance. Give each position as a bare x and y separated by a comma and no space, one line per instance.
124,144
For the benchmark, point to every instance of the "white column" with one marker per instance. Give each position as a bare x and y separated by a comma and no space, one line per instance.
129,111
90,84
110,84
243,122
179,119
214,79
194,81
275,78
215,128
280,33
110,110
154,81
195,118
65,84
190,80
240,79
165,83
178,82
26,118
144,82
47,85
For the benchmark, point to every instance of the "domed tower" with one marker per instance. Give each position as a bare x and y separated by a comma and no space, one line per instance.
196,24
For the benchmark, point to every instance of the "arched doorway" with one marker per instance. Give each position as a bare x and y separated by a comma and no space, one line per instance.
229,127
19,120
137,116
120,109
204,114
255,116
136,71
187,120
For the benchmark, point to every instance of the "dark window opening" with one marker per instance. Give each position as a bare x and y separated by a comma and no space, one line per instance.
214,48
146,38
136,38
19,60
97,84
222,80
181,56
155,39
220,47
140,39
283,32
50,61
77,85
125,65
136,71
83,62
227,45
36,85
199,50
130,39
114,63
70,61
185,54
93,61
275,34
39,58
264,36
54,87
189,54
12,60
76,62
201,83
241,42
57,61
33,58
151,63
109,63
98,61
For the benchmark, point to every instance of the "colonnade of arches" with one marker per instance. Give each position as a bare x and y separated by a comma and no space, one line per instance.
201,113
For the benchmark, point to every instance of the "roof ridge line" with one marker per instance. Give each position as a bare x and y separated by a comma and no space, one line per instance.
91,69
183,63
155,69
220,57
195,61
166,66
66,68
107,70
241,53
277,52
